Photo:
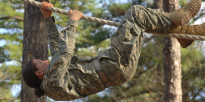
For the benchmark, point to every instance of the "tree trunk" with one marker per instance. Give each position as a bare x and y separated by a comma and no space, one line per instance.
172,62
35,46
158,4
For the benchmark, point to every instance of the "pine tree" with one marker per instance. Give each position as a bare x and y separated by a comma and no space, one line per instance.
11,24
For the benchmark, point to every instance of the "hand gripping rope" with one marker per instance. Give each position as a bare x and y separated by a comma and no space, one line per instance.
116,24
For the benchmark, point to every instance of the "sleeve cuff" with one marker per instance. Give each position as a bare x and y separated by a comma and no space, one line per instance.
50,19
72,22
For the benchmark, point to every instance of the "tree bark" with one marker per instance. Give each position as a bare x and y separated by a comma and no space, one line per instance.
158,4
35,46
172,62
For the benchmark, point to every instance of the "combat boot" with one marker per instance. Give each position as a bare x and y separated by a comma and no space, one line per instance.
183,15
189,29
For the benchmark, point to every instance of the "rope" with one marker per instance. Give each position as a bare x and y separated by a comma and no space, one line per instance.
116,24
183,36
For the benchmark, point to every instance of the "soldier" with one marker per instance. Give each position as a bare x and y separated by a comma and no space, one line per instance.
69,77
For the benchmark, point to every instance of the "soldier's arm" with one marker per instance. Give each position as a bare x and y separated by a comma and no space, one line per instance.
67,39
62,44
66,43
57,79
53,35
57,76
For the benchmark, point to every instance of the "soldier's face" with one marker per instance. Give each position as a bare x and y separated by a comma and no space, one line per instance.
41,65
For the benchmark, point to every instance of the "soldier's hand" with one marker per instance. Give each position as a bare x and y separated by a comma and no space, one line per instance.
75,14
46,13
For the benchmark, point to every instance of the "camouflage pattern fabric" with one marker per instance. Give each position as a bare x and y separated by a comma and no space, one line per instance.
68,78
121,60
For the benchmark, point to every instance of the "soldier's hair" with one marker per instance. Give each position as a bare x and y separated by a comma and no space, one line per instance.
31,79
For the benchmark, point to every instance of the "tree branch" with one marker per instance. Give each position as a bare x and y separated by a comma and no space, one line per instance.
197,93
134,94
199,16
9,99
12,17
142,72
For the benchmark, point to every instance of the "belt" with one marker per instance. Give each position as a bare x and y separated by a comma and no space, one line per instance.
101,73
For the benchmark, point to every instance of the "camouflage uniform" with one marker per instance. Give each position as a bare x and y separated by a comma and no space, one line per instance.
68,78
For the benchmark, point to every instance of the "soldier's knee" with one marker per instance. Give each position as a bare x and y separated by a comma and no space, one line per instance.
137,6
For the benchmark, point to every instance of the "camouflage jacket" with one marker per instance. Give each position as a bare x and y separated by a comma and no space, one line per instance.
68,78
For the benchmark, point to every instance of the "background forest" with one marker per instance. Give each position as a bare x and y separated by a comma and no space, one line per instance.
148,83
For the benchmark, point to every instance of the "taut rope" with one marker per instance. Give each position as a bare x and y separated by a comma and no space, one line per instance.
116,24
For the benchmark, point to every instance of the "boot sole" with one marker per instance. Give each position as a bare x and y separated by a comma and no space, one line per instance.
185,42
191,12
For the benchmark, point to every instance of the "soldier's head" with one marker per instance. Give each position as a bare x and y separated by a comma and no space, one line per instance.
33,74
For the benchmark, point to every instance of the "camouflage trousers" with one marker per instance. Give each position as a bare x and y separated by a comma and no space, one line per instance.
119,63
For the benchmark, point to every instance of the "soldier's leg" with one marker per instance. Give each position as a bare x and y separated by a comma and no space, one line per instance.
120,61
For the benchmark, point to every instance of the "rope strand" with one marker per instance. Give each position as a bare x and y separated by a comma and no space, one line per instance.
116,24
